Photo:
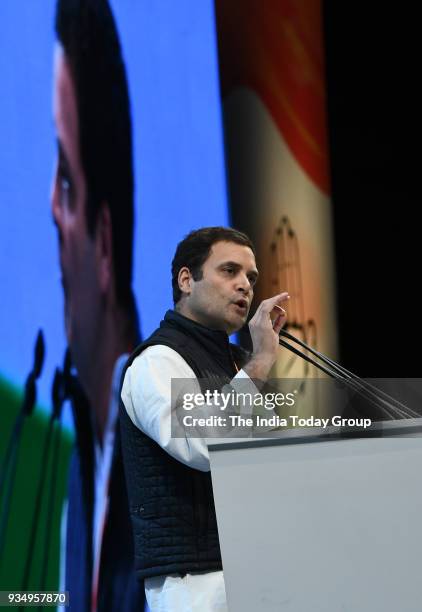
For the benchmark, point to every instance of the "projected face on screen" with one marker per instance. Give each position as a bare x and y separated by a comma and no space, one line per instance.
178,166
81,255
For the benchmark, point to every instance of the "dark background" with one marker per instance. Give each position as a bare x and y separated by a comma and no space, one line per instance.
373,69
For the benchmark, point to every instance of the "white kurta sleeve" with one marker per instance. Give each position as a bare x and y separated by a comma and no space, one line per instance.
146,395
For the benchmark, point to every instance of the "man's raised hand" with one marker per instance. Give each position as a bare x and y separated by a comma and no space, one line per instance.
265,333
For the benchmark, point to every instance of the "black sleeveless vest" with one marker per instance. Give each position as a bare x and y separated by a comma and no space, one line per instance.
171,504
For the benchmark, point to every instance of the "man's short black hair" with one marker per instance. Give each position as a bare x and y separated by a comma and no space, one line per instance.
87,32
194,250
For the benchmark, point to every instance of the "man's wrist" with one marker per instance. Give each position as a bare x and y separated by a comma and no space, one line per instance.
258,368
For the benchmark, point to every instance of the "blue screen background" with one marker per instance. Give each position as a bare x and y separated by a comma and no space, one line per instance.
171,60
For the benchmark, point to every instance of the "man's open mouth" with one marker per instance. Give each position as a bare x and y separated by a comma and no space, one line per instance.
242,303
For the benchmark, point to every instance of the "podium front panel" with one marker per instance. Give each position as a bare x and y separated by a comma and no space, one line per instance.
321,525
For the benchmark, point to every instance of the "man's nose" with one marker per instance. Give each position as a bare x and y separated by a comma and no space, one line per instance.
244,284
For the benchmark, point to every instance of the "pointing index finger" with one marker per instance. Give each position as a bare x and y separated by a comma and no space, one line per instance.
271,303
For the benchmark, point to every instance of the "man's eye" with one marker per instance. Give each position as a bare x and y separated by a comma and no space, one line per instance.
65,188
64,184
229,270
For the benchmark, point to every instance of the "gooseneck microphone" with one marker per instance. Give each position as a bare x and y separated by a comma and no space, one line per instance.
389,406
8,468
59,395
60,392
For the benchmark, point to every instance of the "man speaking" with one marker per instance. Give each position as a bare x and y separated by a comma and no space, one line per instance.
177,550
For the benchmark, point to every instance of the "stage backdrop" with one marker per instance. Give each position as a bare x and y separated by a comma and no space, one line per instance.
272,79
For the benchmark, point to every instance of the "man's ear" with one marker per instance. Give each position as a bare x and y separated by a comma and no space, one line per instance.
184,279
104,240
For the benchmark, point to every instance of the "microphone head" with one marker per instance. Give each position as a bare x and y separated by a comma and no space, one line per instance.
67,374
58,394
39,354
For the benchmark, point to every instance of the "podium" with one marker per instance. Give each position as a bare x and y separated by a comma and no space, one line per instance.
313,521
